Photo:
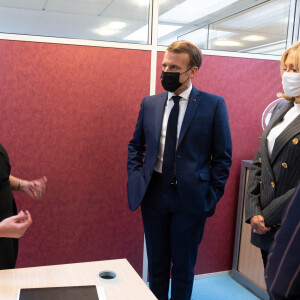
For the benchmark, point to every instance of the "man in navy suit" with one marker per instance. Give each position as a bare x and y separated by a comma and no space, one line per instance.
283,268
178,178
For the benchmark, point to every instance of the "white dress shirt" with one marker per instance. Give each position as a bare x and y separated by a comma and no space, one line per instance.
169,105
277,130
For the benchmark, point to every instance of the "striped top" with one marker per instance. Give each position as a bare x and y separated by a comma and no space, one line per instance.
283,269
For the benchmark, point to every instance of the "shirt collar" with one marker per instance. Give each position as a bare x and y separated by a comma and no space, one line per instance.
297,107
185,95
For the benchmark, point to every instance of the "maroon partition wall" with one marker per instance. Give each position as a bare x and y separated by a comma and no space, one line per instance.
68,112
248,86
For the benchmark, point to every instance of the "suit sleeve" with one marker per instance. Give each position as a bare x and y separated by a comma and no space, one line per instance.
252,201
274,211
282,272
221,149
136,147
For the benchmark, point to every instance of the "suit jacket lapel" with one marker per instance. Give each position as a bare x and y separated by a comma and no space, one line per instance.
159,115
189,113
286,135
278,116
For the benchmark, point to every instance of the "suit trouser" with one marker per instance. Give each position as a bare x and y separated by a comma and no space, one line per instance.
264,255
171,237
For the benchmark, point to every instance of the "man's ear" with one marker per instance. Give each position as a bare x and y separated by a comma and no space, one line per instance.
193,71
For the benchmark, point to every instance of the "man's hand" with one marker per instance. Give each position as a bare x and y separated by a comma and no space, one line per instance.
35,188
15,226
258,225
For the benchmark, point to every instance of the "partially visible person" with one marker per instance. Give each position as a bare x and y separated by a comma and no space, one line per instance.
275,171
15,226
178,163
34,189
283,269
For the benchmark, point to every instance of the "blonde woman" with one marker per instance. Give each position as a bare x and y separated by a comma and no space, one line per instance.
276,166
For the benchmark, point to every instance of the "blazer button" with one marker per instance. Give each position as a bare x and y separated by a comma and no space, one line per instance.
284,165
272,184
295,141
259,160
260,182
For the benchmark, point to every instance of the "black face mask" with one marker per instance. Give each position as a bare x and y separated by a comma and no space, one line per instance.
170,80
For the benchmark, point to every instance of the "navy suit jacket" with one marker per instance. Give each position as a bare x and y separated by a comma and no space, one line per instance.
203,156
283,269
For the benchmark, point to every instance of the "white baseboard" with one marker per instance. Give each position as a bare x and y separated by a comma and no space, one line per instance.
202,276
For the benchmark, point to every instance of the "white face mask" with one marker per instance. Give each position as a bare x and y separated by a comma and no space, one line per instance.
291,84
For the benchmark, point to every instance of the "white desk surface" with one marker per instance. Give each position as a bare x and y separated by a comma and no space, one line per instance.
126,286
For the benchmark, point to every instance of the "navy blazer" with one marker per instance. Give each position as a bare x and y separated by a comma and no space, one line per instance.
203,156
282,272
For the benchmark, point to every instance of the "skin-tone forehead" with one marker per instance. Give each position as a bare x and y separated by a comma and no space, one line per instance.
180,59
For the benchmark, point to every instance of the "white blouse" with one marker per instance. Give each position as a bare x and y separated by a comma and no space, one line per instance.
277,130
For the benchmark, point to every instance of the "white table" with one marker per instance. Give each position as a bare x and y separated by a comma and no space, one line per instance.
126,286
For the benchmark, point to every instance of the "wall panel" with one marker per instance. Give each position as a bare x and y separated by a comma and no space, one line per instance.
68,112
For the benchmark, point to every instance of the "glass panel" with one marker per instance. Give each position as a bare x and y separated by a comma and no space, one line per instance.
228,25
199,37
190,17
260,30
117,20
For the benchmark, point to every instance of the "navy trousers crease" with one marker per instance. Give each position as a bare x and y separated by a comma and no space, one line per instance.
172,239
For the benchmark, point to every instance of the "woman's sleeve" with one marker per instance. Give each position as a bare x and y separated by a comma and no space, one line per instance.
273,213
252,201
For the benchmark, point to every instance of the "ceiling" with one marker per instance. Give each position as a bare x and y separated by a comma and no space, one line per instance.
127,21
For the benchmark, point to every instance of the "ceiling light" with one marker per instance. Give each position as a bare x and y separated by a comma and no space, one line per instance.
104,31
227,43
142,33
190,10
253,38
142,2
116,25
147,2
216,34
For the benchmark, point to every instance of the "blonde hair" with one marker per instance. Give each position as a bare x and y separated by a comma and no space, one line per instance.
295,49
189,48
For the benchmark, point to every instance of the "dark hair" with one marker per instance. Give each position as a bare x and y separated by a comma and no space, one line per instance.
192,50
